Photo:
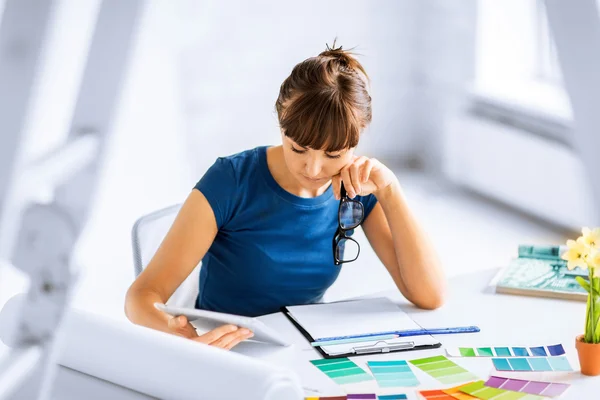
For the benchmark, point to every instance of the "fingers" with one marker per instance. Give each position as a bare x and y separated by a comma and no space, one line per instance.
181,327
345,174
215,334
225,336
352,176
367,168
231,339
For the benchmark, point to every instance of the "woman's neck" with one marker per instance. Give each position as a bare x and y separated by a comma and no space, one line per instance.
284,178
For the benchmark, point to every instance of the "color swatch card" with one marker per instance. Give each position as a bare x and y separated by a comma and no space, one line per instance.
446,394
532,364
392,373
479,390
377,397
507,351
327,398
363,396
443,369
342,370
457,394
435,395
546,389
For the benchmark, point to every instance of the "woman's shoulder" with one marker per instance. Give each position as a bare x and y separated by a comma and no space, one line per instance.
244,157
242,164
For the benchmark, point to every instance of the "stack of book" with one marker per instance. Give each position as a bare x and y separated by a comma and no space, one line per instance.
539,271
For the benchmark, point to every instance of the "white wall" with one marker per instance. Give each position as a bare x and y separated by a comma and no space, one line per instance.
146,166
146,169
237,53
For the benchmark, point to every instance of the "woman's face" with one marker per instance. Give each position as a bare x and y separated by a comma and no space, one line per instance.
313,168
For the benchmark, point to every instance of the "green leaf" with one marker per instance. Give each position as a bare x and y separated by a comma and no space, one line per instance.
596,285
588,337
595,318
584,284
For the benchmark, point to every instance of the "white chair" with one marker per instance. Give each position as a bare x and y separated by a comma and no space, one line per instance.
181,376
147,234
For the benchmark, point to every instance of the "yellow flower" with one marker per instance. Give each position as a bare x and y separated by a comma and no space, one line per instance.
593,259
591,237
576,254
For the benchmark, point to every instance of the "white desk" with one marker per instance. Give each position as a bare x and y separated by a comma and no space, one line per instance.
503,319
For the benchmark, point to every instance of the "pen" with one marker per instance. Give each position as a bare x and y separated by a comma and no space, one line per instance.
321,342
410,332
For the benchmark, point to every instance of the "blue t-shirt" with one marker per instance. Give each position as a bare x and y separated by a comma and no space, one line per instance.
273,248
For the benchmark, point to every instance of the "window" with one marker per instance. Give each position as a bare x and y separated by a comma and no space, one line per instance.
517,71
547,66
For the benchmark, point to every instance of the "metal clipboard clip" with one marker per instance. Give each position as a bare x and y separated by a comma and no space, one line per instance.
385,348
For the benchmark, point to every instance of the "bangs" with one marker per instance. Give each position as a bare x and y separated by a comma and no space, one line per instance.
321,120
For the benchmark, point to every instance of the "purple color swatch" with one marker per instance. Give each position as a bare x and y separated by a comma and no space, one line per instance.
535,387
547,389
496,381
367,396
511,384
556,389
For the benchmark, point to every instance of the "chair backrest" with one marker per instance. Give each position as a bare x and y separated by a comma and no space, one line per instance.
147,234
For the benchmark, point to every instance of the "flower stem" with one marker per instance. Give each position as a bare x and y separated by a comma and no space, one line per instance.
591,313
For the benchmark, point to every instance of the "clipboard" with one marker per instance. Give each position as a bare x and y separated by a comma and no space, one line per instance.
344,314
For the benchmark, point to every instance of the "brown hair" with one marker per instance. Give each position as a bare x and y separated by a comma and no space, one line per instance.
325,104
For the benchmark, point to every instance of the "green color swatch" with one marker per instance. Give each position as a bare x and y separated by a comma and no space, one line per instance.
443,369
479,390
342,370
467,352
485,351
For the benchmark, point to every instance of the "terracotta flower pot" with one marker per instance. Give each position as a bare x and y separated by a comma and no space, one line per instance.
589,356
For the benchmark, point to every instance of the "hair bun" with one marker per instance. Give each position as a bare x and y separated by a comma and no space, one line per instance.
344,58
337,53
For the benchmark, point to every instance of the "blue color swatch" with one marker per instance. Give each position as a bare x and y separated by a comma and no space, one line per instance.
503,352
556,350
538,351
393,373
507,351
520,351
532,364
501,364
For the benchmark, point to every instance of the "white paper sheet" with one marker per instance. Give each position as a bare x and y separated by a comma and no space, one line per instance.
356,318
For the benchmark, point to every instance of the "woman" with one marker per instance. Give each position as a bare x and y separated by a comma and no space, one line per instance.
262,221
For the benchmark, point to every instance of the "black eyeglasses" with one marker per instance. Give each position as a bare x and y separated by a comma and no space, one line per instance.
350,215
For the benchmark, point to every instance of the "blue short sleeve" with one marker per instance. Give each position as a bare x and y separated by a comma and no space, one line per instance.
219,185
369,203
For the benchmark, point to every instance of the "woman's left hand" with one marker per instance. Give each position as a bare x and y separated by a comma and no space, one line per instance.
363,176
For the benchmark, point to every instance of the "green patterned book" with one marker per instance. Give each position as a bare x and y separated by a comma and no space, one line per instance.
539,271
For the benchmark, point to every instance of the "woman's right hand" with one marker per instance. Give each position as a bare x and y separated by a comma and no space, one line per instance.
225,336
